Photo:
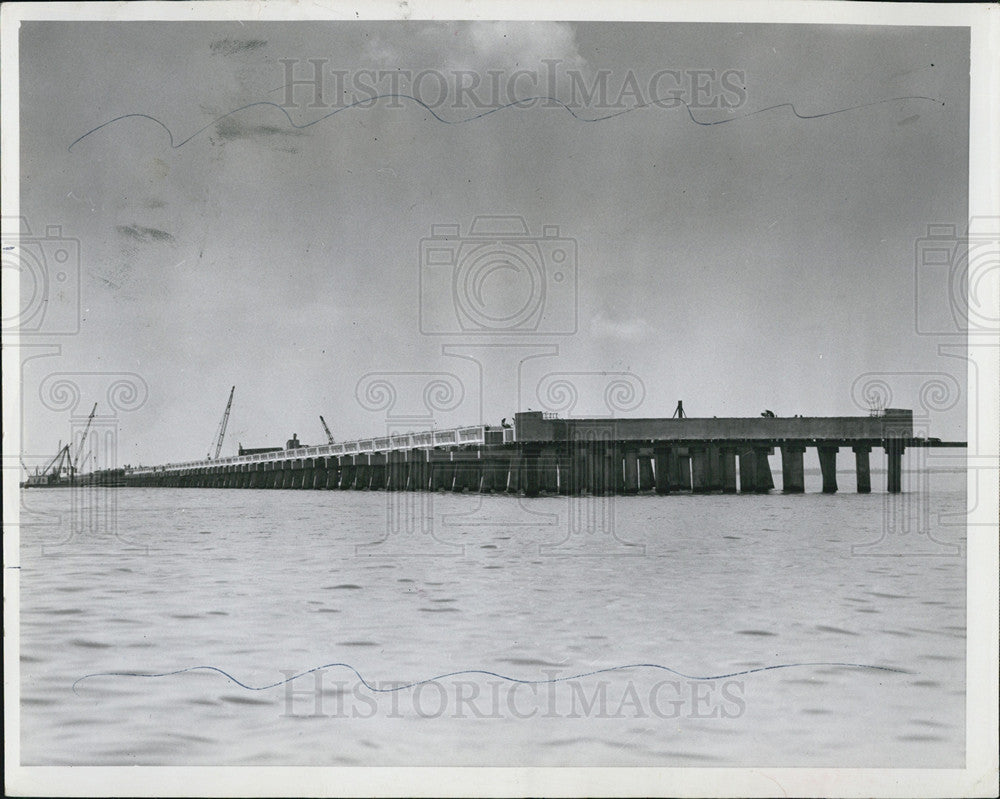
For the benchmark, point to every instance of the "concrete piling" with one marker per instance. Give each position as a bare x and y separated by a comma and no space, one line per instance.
661,457
863,467
828,466
630,455
647,479
894,450
727,467
700,475
792,469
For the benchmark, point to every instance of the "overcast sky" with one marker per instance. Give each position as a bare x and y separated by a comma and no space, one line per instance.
766,262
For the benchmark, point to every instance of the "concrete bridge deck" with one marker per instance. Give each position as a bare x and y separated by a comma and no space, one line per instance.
542,453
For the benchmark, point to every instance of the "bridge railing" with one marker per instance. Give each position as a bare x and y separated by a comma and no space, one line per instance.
473,435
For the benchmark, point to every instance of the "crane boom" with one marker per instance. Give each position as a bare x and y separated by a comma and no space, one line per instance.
329,435
61,456
222,426
83,438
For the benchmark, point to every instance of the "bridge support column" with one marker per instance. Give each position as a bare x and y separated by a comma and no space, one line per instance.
714,471
532,456
617,454
460,468
319,473
376,463
548,464
647,480
441,474
828,466
333,472
404,465
578,469
748,471
630,455
590,470
700,470
306,474
684,471
412,467
661,465
395,467
894,449
792,469
564,464
601,467
284,479
488,481
515,467
863,467
727,469
362,473
764,482
345,472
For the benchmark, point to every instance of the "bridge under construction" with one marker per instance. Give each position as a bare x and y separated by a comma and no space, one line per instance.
543,454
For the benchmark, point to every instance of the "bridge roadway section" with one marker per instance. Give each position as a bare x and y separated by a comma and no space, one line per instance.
543,454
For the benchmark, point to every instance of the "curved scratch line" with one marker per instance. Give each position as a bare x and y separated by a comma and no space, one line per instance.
516,103
483,672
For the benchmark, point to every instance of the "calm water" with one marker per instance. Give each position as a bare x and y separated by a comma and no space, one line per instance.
267,584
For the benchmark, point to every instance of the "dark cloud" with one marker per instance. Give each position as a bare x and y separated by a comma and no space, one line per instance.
236,46
144,234
232,128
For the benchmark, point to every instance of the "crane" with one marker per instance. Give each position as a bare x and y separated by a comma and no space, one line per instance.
329,435
56,466
83,438
217,444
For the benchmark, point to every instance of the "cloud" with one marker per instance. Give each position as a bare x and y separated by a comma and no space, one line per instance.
479,46
631,331
232,128
144,234
228,47
525,45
